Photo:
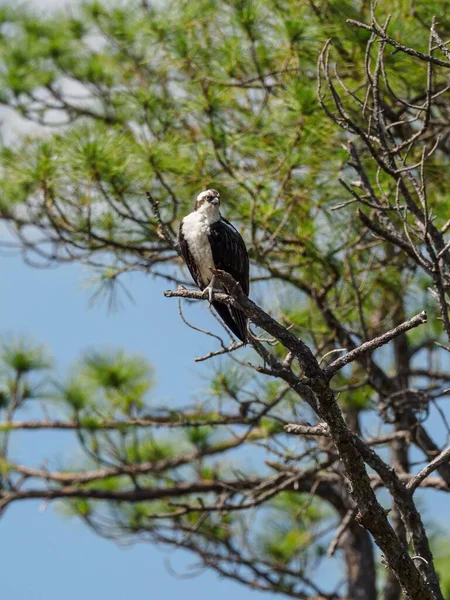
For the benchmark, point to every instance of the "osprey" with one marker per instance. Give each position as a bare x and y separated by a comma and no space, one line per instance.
208,241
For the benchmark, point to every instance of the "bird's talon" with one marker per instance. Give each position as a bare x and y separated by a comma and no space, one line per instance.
209,292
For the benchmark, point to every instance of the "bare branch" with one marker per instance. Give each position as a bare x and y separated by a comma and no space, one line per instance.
374,344
443,457
353,452
165,232
379,32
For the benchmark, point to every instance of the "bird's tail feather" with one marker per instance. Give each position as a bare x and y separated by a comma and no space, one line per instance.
233,318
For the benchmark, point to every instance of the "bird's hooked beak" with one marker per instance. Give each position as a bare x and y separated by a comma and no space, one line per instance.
215,200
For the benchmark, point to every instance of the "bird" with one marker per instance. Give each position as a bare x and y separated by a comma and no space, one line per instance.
208,241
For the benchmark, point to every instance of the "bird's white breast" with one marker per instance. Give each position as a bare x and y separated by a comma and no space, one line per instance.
196,230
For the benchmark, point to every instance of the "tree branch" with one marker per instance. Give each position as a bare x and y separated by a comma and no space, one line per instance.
379,32
372,345
370,512
443,457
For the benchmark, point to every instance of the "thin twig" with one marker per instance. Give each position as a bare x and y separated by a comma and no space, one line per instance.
372,345
341,530
400,47
162,226
443,457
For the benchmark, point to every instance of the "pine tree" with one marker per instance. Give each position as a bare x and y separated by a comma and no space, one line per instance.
326,127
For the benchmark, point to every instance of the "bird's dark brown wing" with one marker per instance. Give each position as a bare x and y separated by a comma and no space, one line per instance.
230,255
229,252
188,258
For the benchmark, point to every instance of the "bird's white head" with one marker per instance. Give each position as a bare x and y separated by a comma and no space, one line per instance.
206,199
